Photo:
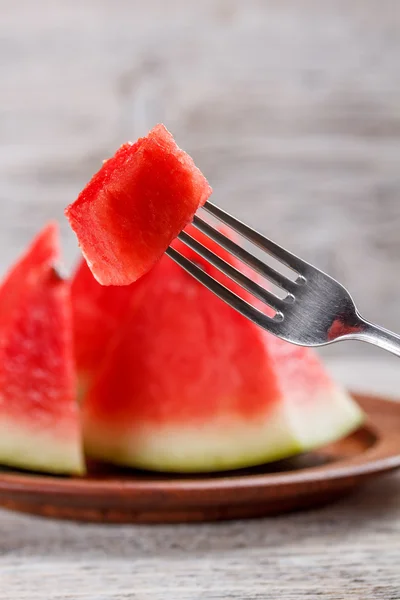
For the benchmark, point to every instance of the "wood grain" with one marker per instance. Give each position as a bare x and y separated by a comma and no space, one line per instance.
349,551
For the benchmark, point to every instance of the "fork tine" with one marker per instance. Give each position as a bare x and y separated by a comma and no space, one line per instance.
251,286
250,312
284,256
277,278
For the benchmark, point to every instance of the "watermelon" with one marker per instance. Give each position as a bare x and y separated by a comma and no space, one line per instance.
39,420
97,312
135,205
190,385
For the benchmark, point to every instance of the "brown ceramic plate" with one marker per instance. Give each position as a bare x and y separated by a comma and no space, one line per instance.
118,496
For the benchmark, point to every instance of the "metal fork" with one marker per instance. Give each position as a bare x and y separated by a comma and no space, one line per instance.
316,311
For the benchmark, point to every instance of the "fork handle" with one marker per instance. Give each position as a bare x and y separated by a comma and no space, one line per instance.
374,334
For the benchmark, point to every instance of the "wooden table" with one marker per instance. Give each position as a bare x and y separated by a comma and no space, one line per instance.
350,550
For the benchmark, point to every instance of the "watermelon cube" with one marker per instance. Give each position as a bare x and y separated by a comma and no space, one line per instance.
137,203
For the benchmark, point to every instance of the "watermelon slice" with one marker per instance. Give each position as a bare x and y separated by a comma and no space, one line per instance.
39,419
98,312
137,203
191,385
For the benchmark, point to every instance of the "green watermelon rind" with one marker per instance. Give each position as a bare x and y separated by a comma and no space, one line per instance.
220,446
41,451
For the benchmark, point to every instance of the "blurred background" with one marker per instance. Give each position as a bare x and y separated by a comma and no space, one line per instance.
290,107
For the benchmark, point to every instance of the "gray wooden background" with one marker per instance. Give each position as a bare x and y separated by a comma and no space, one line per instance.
291,108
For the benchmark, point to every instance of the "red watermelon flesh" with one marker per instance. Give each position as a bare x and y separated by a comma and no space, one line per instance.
98,312
39,419
191,385
137,203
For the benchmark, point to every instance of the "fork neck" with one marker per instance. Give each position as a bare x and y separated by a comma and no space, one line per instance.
374,334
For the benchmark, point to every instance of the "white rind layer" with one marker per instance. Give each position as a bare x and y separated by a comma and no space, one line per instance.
331,417
287,429
36,450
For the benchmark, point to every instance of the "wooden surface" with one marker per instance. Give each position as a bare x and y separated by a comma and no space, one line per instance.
292,110
350,550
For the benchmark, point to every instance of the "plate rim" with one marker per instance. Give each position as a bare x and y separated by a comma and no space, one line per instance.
380,459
